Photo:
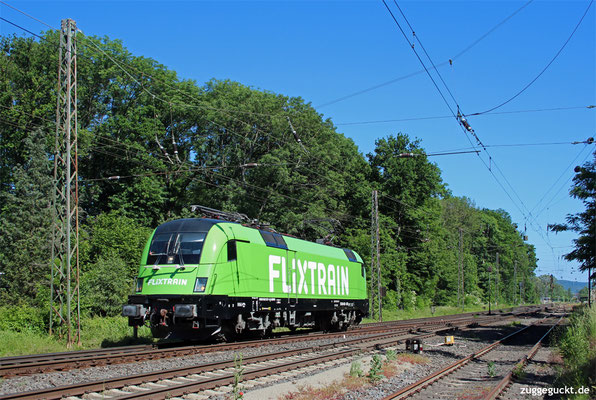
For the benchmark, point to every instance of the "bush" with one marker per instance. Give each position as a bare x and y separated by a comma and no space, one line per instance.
105,286
578,348
390,301
356,369
22,318
409,299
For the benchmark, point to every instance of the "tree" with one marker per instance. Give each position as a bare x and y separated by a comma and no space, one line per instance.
25,222
584,223
409,192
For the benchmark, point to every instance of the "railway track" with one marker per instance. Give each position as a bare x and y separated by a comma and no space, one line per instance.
177,381
201,377
484,374
180,381
34,364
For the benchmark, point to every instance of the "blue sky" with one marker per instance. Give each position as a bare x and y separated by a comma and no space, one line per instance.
323,51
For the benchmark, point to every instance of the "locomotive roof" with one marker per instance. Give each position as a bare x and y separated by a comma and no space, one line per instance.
205,224
188,225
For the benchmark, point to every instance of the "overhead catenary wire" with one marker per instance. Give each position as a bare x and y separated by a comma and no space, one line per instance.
450,116
20,27
563,185
203,106
467,129
547,65
444,63
132,77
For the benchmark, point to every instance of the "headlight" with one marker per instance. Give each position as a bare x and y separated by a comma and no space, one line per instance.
133,310
185,310
200,285
139,285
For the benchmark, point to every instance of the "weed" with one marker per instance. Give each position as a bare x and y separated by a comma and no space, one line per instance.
518,372
492,370
376,367
238,371
577,345
356,369
391,355
413,358
391,369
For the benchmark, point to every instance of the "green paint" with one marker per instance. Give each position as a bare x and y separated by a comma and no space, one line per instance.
303,270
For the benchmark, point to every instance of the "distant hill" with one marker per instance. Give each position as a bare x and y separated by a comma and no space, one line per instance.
574,286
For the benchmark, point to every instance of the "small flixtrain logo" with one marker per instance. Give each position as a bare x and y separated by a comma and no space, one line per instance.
167,281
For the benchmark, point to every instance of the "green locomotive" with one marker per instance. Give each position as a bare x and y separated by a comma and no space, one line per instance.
204,277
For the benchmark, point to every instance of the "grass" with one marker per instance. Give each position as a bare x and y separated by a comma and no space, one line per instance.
577,346
100,332
95,333
20,343
393,315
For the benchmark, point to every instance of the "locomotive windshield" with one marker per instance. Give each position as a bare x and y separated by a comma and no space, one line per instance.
176,248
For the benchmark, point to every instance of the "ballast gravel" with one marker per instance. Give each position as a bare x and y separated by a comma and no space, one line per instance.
466,342
62,378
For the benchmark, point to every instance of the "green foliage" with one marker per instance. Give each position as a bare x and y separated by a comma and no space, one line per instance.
376,367
518,372
95,333
163,157
356,369
22,343
576,345
23,318
104,286
391,355
121,236
238,371
584,223
25,216
491,369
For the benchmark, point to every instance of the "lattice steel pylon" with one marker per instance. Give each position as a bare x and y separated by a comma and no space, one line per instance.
64,284
375,262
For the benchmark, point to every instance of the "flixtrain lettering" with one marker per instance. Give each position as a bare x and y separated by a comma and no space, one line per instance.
314,278
166,281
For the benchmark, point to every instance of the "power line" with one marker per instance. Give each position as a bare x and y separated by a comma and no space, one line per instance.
20,27
547,65
202,106
464,125
185,104
550,203
419,59
468,115
181,171
465,50
27,15
425,52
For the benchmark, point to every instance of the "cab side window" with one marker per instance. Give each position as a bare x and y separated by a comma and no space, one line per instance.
232,253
